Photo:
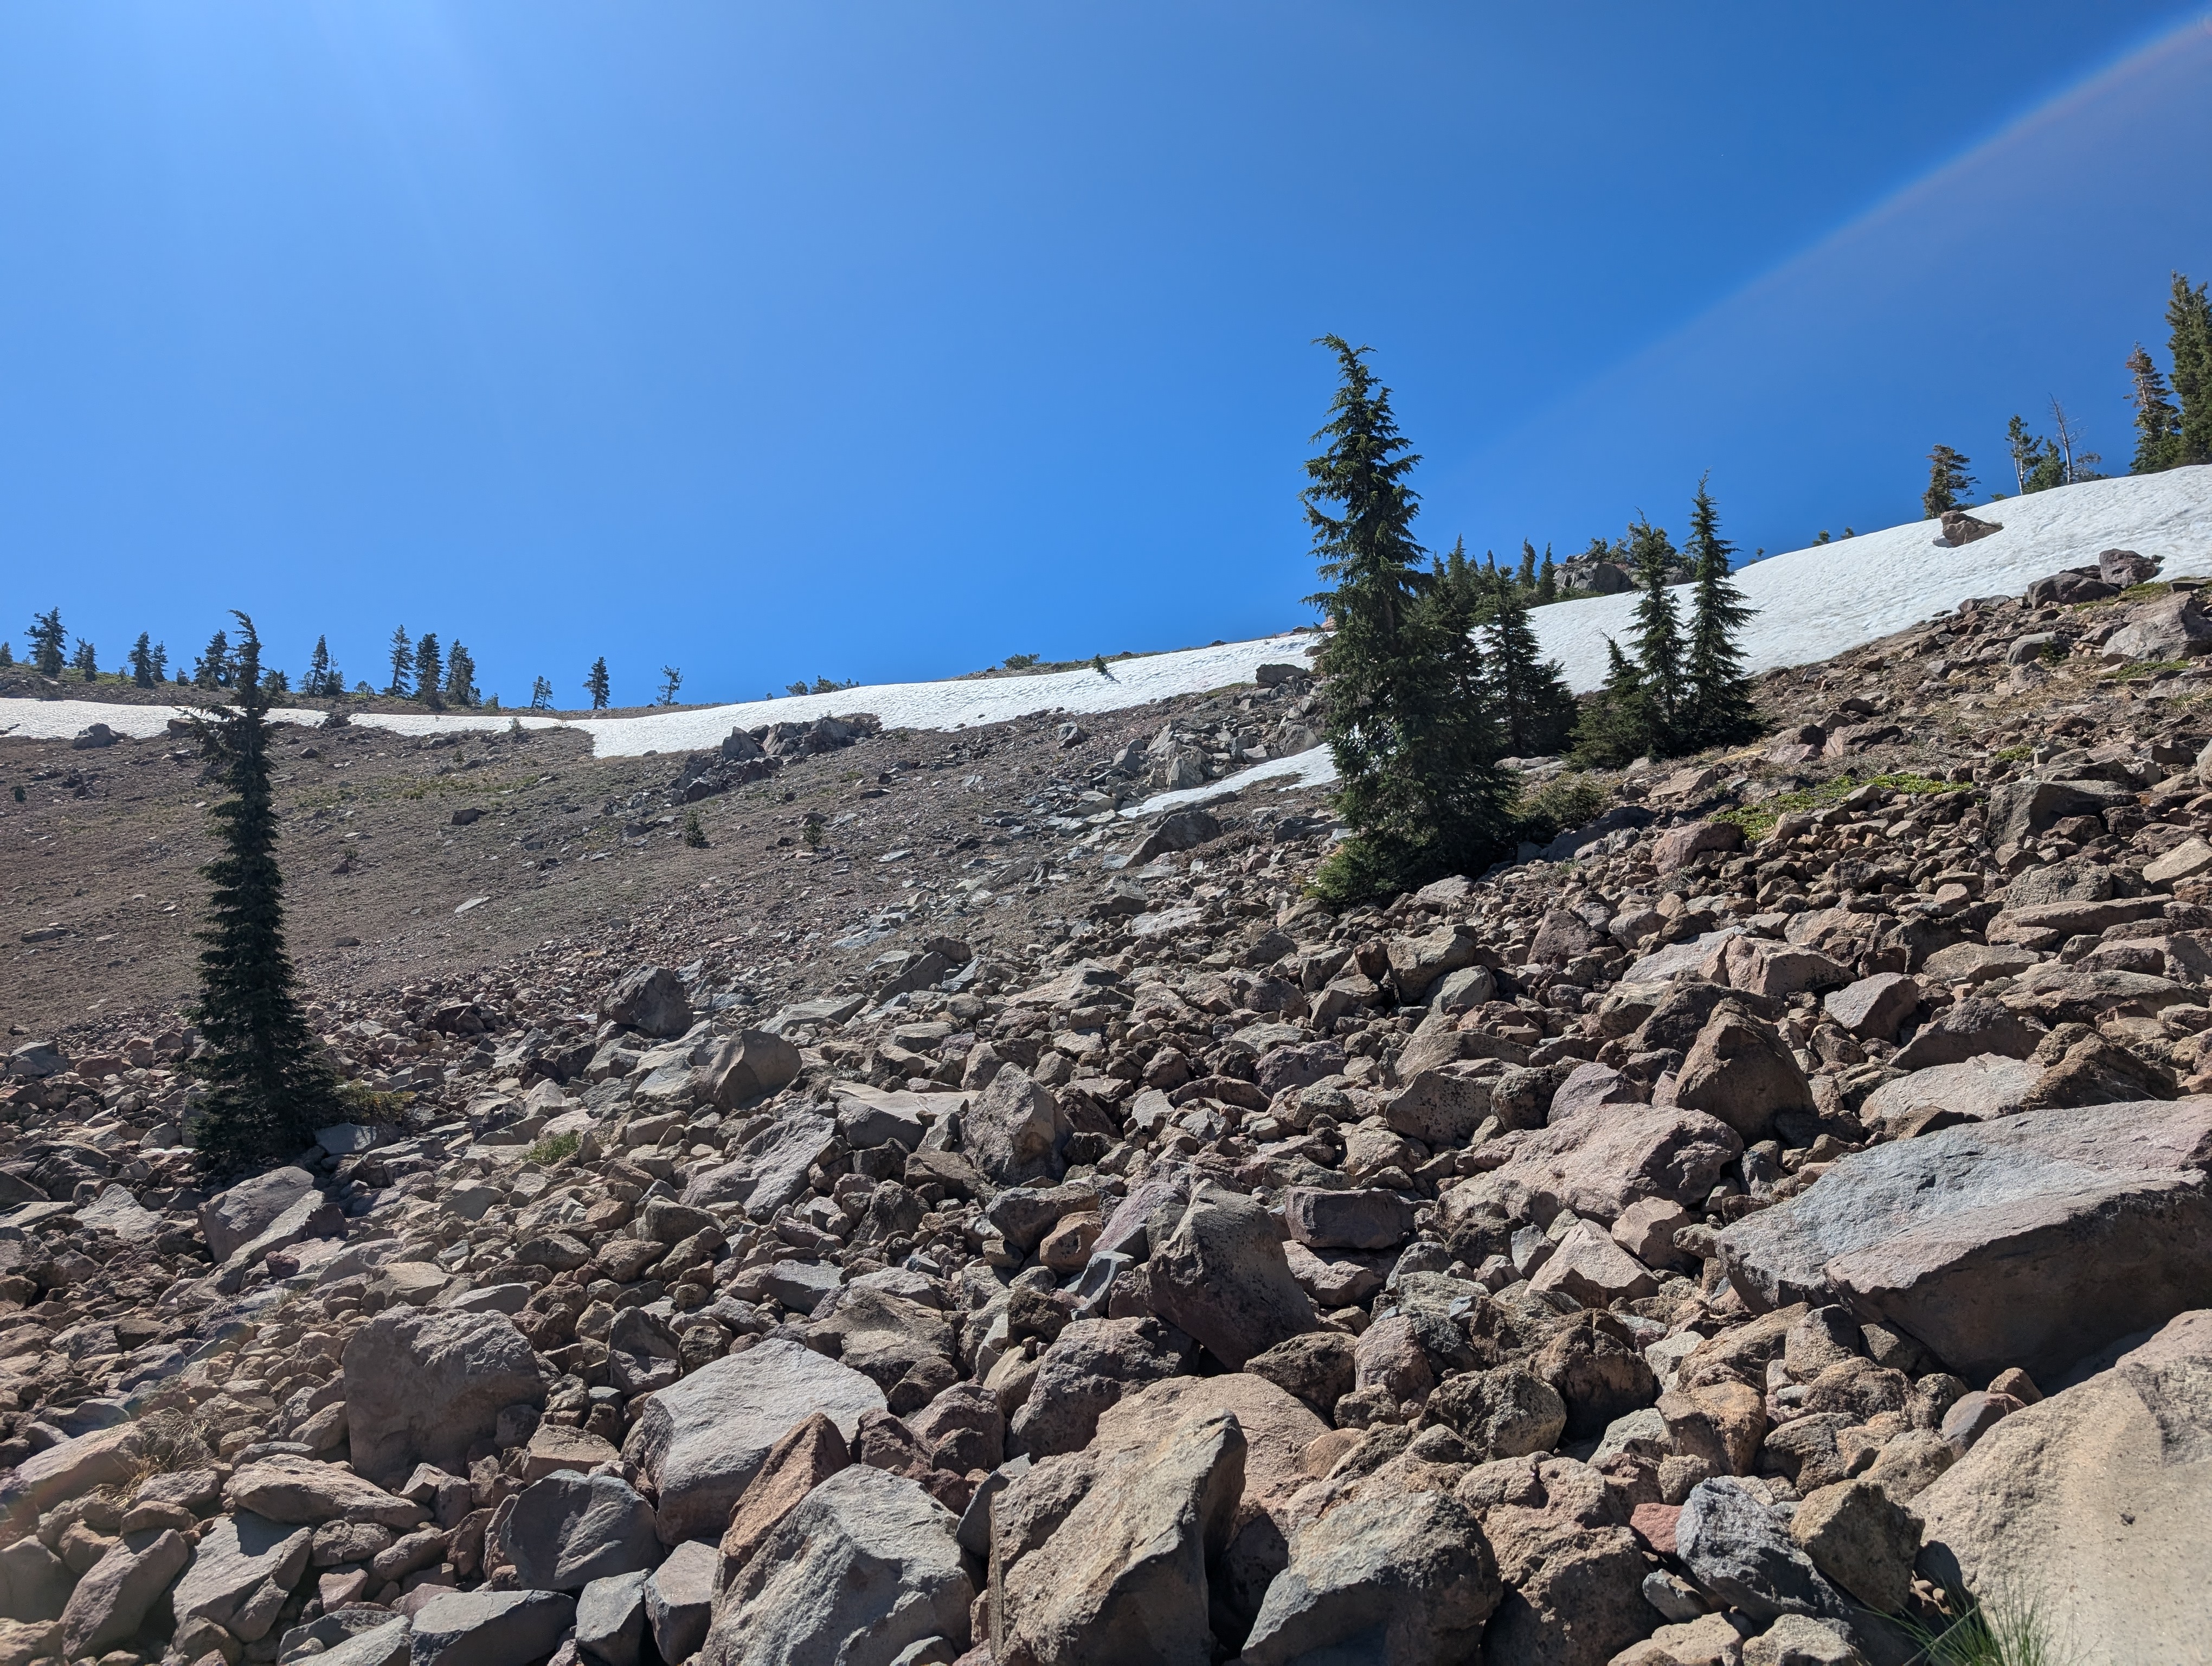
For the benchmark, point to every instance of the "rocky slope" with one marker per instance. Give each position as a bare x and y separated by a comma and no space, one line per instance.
1725,1242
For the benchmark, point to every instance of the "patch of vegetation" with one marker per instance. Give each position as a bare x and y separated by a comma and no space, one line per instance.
1756,820
695,830
559,1149
2002,1633
363,1103
2142,668
2014,754
1564,801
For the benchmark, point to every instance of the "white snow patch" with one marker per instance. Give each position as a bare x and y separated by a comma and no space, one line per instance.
1314,766
1815,603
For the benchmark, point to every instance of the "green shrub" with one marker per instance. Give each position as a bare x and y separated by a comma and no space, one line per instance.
1756,820
559,1149
1563,802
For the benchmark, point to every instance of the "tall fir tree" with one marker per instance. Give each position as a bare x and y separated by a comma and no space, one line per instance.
540,694
216,669
1947,481
48,641
145,672
1719,709
320,676
2189,314
461,677
85,662
1405,712
267,1082
1534,709
1528,575
429,671
596,685
1615,725
403,665
1658,631
2158,420
1547,579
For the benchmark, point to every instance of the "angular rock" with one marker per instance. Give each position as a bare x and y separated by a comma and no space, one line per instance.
2089,1506
1862,1539
1506,1413
700,1442
119,1589
1090,1366
679,1600
1598,1162
650,999
1874,1008
610,1620
236,1216
1588,1266
1015,1130
1574,1592
1978,1090
297,1490
567,1529
1740,1072
1317,1367
422,1388
810,1452
1220,1274
864,1569
2032,1241
489,1627
747,1067
1363,1219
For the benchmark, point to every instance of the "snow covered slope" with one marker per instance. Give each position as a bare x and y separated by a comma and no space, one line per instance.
1812,604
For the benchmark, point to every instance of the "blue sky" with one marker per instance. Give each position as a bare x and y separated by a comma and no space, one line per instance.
884,341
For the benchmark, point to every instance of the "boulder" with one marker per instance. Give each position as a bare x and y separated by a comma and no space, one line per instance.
748,1066
489,1627
650,999
1574,1592
1317,1367
1506,1412
239,1214
770,1170
1015,1130
1396,1579
865,1568
2088,1507
1588,1266
2032,1241
809,1452
1977,1090
1873,1007
2170,627
1598,1161
879,1334
1741,1072
299,1490
1794,1640
1124,1575
1361,1219
1862,1539
1416,963
66,1469
1678,847
679,1599
700,1442
610,1620
1090,1365
1739,1550
423,1387
1221,1276
569,1529
119,1590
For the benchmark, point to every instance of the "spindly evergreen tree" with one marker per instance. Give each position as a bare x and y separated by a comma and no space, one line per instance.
1947,481
268,1086
145,669
323,678
540,694
48,638
461,677
1528,575
214,669
2190,315
1615,725
1534,709
596,685
1718,695
2036,464
1658,631
429,671
85,662
672,679
1547,579
402,664
2158,421
1405,720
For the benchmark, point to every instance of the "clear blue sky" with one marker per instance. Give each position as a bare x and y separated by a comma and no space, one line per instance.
884,340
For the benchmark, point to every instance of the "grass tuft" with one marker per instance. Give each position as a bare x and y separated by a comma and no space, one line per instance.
1756,820
559,1149
2003,1633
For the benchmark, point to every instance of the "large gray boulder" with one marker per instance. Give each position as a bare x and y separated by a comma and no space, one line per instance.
1397,1580
240,1560
1015,1130
423,1388
119,1591
1599,1159
2089,1507
2032,1241
1221,1274
700,1441
1124,1576
770,1169
864,1568
489,1627
1742,1552
749,1066
569,1529
239,1214
648,998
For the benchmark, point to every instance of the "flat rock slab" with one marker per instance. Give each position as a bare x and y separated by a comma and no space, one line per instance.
701,1440
2032,1241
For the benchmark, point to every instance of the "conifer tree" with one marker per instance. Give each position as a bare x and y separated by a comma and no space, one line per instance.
670,680
1658,632
46,638
1948,480
595,684
86,660
2158,421
1547,579
7,655
2190,315
143,671
1405,713
214,669
1528,575
540,694
1718,694
321,678
2032,458
1615,725
461,677
267,1082
429,671
1534,709
402,664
